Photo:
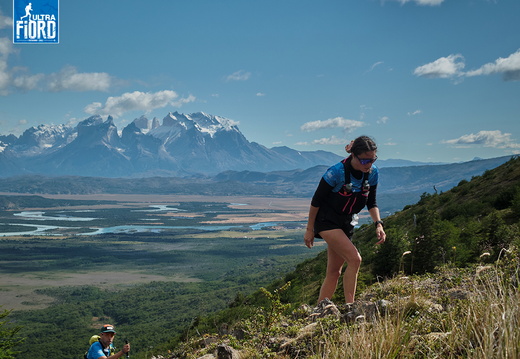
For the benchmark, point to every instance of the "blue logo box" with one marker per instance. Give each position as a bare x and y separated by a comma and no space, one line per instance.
35,21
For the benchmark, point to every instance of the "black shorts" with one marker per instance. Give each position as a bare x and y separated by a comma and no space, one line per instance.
327,219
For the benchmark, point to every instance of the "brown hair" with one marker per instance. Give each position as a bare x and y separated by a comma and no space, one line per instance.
361,145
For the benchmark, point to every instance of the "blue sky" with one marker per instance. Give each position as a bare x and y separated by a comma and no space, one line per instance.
430,80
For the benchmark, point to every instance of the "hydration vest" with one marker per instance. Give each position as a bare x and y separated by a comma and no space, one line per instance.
346,201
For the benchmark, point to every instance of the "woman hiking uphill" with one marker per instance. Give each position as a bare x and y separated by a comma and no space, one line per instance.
344,190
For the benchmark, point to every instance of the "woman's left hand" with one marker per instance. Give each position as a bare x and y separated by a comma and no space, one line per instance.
381,235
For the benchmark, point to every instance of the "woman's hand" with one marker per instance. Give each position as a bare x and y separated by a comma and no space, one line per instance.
380,233
308,238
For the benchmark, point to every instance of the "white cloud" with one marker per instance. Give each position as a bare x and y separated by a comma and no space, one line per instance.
423,2
419,2
443,67
5,21
68,79
453,65
375,65
509,66
333,140
142,101
28,82
239,75
6,49
334,123
260,94
494,139
72,80
414,113
383,120
4,81
337,122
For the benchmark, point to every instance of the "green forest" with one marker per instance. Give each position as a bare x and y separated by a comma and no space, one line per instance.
193,272
473,223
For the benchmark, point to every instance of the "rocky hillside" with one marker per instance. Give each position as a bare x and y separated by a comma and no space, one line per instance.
452,314
444,285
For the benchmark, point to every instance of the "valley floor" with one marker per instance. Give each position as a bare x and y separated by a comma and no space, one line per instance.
37,262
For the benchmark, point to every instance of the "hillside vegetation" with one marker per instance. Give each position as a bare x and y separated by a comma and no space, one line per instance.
444,285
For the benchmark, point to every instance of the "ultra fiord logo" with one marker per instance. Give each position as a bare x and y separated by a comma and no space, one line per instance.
35,21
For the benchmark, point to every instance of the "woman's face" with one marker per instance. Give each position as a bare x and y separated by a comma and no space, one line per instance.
363,162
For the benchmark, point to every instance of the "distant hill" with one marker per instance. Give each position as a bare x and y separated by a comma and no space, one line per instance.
399,186
392,162
8,202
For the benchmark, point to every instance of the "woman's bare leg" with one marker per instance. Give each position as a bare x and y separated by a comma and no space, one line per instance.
334,267
340,250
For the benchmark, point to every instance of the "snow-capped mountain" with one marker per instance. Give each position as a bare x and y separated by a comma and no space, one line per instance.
181,145
37,140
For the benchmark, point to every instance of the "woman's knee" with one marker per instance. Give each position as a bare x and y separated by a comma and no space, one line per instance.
355,261
334,274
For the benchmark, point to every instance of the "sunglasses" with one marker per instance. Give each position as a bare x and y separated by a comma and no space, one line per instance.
366,161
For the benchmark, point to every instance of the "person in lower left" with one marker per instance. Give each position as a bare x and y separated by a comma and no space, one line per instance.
101,348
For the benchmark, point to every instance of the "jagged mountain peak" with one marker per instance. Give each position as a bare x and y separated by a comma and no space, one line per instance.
213,123
184,144
41,138
176,124
45,131
177,119
202,122
94,130
145,125
91,121
96,120
43,128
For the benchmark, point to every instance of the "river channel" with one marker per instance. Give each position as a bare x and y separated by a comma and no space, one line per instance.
33,221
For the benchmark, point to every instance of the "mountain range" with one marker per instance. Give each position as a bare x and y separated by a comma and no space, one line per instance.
182,145
195,153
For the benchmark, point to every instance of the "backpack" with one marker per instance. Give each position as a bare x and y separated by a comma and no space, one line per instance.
94,339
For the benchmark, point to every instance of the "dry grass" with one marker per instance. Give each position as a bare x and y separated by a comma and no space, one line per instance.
479,319
456,313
